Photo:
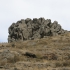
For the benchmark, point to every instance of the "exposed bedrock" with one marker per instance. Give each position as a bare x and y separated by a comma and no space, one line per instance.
29,29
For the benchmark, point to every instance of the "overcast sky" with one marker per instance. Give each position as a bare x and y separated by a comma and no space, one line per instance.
14,10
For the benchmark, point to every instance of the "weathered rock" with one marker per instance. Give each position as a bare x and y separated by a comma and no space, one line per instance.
6,54
27,20
31,29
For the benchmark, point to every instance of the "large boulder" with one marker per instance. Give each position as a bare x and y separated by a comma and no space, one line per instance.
27,29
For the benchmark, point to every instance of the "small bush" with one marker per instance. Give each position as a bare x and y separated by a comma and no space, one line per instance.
28,54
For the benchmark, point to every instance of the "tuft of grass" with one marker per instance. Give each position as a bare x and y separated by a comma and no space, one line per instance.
66,63
58,64
16,59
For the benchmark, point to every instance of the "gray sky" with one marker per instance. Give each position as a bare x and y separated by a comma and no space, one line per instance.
14,10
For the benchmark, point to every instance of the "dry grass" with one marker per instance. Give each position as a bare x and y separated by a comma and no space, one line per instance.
43,48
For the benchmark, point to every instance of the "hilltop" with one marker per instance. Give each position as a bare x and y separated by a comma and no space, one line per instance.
36,28
36,44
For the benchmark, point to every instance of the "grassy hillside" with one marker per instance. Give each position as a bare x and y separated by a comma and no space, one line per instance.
49,53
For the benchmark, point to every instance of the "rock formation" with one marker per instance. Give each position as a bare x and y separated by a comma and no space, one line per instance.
29,29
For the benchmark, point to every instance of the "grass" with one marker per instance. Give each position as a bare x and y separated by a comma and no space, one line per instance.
58,45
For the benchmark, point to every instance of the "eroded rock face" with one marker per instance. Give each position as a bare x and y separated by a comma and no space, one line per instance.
29,29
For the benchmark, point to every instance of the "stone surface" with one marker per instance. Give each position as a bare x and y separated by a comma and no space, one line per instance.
6,54
31,29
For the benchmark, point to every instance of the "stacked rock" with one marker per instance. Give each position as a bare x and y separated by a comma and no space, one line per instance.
29,29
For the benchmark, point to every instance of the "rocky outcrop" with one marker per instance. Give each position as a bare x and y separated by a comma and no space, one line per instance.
29,29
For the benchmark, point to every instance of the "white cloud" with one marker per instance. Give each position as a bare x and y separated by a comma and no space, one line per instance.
14,10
